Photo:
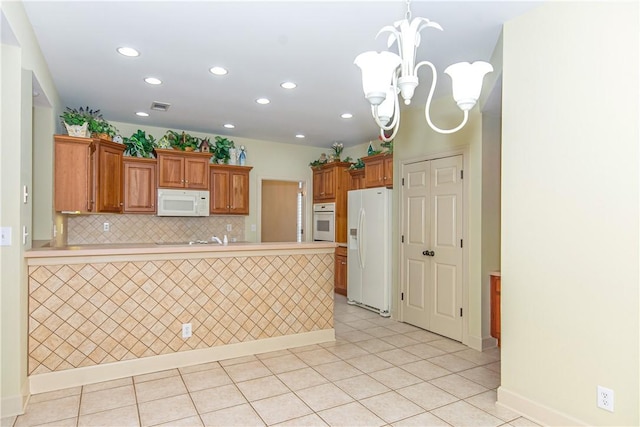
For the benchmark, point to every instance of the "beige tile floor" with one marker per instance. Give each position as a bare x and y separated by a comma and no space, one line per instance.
378,372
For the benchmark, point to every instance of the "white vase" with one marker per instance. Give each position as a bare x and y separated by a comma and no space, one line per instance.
233,156
78,130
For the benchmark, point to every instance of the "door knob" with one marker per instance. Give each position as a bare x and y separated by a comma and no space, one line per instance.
428,253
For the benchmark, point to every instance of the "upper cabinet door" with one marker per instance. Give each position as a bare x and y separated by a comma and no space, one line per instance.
239,193
109,173
219,191
171,170
196,173
139,185
72,174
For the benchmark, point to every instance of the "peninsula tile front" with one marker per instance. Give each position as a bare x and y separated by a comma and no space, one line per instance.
95,313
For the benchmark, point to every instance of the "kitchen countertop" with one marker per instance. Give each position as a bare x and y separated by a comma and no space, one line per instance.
164,248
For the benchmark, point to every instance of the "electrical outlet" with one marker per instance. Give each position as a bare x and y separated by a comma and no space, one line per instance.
5,236
228,227
106,226
605,398
186,330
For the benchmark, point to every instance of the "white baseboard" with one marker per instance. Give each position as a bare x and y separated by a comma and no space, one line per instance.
14,405
536,412
481,344
110,371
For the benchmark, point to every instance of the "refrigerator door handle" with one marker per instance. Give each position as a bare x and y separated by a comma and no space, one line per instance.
361,254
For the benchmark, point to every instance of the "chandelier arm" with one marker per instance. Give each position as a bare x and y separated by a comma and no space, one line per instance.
429,98
384,138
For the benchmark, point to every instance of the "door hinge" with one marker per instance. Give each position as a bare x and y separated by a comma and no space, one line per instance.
403,181
403,239
461,174
461,244
460,311
402,296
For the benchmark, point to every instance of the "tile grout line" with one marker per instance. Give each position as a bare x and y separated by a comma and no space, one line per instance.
190,398
79,406
135,397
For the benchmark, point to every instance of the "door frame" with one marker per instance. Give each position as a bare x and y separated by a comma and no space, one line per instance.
464,152
306,208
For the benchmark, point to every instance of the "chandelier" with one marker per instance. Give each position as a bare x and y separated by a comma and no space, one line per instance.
385,74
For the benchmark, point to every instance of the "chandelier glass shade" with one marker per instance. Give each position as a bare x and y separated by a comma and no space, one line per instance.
385,74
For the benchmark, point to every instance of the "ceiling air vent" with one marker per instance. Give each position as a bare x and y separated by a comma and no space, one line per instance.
160,106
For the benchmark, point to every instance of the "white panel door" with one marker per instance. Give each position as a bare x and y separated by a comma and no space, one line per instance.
446,227
417,267
432,253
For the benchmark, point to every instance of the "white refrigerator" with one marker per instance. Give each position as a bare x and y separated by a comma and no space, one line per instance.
369,249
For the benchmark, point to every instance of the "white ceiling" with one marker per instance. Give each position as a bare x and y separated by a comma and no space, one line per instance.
262,43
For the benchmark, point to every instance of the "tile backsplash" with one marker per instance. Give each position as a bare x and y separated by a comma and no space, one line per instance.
89,229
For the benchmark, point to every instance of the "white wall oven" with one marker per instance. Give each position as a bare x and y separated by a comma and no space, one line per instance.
324,222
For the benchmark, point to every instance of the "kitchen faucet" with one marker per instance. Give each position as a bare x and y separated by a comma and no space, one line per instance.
216,239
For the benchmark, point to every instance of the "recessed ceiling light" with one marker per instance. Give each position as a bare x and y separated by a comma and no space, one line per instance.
142,114
153,81
229,126
346,115
128,51
300,136
288,85
218,71
262,101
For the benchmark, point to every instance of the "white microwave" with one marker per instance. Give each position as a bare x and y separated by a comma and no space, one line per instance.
182,202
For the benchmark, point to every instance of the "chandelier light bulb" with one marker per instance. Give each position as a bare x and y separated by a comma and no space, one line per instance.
377,69
466,80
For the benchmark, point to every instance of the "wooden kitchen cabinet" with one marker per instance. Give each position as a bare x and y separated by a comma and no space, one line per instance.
495,306
330,185
329,181
88,175
378,170
340,271
229,189
357,179
183,169
139,185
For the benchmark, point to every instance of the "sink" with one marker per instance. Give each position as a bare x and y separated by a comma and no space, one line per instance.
188,243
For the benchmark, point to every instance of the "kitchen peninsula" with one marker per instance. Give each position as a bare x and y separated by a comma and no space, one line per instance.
101,312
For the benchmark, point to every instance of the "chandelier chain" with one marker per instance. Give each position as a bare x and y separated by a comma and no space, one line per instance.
408,14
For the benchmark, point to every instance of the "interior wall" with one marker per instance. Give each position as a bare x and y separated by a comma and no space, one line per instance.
43,128
13,353
490,221
20,63
570,209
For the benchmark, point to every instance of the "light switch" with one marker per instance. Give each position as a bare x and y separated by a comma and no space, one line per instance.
5,236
